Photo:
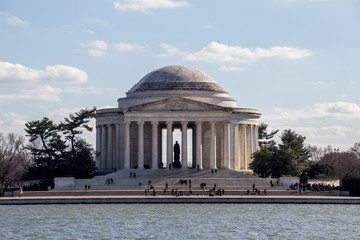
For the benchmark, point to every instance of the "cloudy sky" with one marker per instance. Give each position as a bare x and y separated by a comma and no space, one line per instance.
296,61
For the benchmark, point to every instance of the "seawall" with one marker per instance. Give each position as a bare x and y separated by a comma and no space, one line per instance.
182,199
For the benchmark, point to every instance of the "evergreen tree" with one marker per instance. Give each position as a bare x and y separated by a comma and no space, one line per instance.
261,163
292,154
50,154
47,133
62,151
319,169
266,138
82,163
72,125
263,158
287,158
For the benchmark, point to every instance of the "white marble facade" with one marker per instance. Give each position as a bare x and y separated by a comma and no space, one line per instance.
130,136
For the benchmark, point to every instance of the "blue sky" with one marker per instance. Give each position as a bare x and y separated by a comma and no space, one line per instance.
296,61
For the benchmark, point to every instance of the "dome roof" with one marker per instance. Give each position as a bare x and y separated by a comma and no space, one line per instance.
180,78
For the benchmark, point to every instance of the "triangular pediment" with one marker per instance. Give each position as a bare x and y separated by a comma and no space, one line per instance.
176,104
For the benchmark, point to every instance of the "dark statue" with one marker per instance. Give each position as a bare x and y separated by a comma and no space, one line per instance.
176,163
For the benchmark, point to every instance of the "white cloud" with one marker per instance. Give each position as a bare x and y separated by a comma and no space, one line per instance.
323,132
127,47
96,53
232,69
13,20
336,110
100,22
17,21
43,93
98,44
235,56
61,113
170,51
333,135
14,74
208,25
90,32
97,48
13,123
143,5
219,53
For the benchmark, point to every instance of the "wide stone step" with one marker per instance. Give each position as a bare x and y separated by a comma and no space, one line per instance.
141,192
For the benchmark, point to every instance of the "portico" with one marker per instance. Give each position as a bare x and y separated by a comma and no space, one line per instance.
130,136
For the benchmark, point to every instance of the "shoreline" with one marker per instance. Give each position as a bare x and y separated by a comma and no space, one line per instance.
178,200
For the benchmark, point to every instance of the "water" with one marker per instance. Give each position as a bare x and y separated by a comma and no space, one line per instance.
180,221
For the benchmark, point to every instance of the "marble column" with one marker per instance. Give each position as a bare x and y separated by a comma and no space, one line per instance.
252,146
244,145
140,145
98,146
169,145
256,137
154,161
237,162
184,144
213,145
103,148
110,148
117,146
226,145
127,145
199,145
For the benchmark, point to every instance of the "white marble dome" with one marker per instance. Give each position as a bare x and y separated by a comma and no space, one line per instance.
176,81
177,78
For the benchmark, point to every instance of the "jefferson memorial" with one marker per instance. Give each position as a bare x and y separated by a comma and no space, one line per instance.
176,108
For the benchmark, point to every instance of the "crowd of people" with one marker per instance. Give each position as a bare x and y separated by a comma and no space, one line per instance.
256,191
150,190
311,187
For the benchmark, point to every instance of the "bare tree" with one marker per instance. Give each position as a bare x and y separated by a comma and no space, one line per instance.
317,153
342,162
356,149
13,159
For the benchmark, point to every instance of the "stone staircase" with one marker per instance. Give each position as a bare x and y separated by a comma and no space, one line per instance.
233,182
227,179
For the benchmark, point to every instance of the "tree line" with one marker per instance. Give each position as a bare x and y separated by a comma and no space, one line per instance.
292,157
52,150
